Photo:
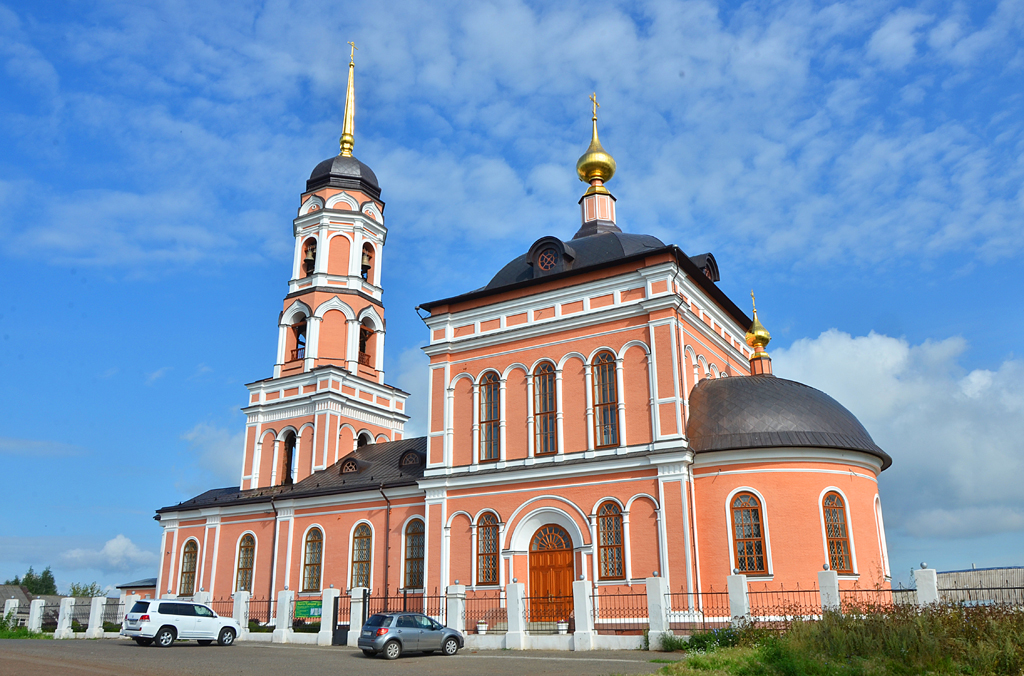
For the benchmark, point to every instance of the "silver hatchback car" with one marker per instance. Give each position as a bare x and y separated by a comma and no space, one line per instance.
395,633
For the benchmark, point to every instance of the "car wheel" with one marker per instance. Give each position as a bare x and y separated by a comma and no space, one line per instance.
165,637
392,650
227,636
369,653
204,642
144,641
451,646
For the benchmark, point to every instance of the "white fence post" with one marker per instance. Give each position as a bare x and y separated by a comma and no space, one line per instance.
11,611
927,582
202,597
35,616
67,609
129,602
739,600
515,638
828,587
455,607
283,620
657,611
326,635
355,623
95,629
240,611
583,611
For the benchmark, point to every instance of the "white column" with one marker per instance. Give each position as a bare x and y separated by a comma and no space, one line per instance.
449,428
312,341
626,548
326,635
501,420
657,610
927,582
583,612
530,441
473,558
828,585
588,386
95,629
129,603
476,424
322,250
240,612
558,412
283,621
739,601
356,617
35,616
67,608
595,557
620,395
515,638
352,346
455,598
11,611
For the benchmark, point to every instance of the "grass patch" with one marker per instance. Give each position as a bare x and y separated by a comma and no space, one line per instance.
940,639
9,629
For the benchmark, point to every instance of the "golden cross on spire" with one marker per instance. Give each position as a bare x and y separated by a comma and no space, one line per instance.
352,57
753,301
593,99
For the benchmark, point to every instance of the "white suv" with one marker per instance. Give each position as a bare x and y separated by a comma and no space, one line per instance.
164,621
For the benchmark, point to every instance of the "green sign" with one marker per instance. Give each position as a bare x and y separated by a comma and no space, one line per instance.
308,609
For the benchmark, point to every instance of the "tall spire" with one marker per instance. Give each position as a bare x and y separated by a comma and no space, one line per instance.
348,129
758,338
595,166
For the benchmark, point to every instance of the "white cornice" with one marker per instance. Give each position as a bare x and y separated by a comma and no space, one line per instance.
785,454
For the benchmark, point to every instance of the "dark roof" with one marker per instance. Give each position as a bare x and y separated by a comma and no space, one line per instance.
592,250
378,465
144,583
344,172
766,412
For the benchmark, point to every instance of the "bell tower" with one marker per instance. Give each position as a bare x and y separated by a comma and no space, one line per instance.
327,395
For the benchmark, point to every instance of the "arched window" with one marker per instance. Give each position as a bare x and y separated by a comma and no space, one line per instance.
606,401
349,466
365,439
414,555
246,557
312,560
487,549
748,534
187,585
544,410
366,263
362,544
609,542
289,459
308,257
410,459
299,331
490,412
837,535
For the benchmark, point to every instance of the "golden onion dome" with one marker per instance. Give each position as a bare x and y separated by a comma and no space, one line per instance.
757,336
596,163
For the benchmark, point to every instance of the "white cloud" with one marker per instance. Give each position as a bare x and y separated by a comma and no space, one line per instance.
117,555
218,452
36,447
157,375
893,45
954,435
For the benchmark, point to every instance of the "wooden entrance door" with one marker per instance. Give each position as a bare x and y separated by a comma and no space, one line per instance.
551,572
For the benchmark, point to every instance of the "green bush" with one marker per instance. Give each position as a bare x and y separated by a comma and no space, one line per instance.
9,629
258,628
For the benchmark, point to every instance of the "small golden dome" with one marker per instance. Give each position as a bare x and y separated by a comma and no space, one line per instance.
758,336
596,163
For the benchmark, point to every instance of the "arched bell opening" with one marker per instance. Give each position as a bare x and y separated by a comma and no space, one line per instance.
308,257
297,341
288,460
367,344
367,267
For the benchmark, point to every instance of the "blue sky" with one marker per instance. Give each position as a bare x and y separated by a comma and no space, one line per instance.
859,164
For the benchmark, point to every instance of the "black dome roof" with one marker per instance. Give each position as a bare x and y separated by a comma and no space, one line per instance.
767,412
344,172
589,250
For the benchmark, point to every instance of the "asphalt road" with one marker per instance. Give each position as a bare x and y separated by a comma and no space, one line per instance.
123,658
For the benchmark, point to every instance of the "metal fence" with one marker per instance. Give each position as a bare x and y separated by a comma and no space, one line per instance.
485,611
861,601
698,611
776,608
260,613
223,607
50,613
113,613
80,614
549,614
619,611
988,596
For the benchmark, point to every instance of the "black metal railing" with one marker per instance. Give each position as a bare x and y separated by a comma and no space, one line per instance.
777,608
619,611
862,601
223,607
260,614
485,611
549,614
113,613
989,596
80,614
50,614
698,611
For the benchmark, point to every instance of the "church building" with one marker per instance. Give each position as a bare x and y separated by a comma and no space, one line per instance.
600,410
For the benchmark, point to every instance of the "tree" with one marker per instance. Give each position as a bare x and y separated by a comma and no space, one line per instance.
37,584
91,589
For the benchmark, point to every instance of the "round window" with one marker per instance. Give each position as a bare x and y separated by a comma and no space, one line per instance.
547,259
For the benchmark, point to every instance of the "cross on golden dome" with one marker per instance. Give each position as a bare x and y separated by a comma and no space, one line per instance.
593,99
